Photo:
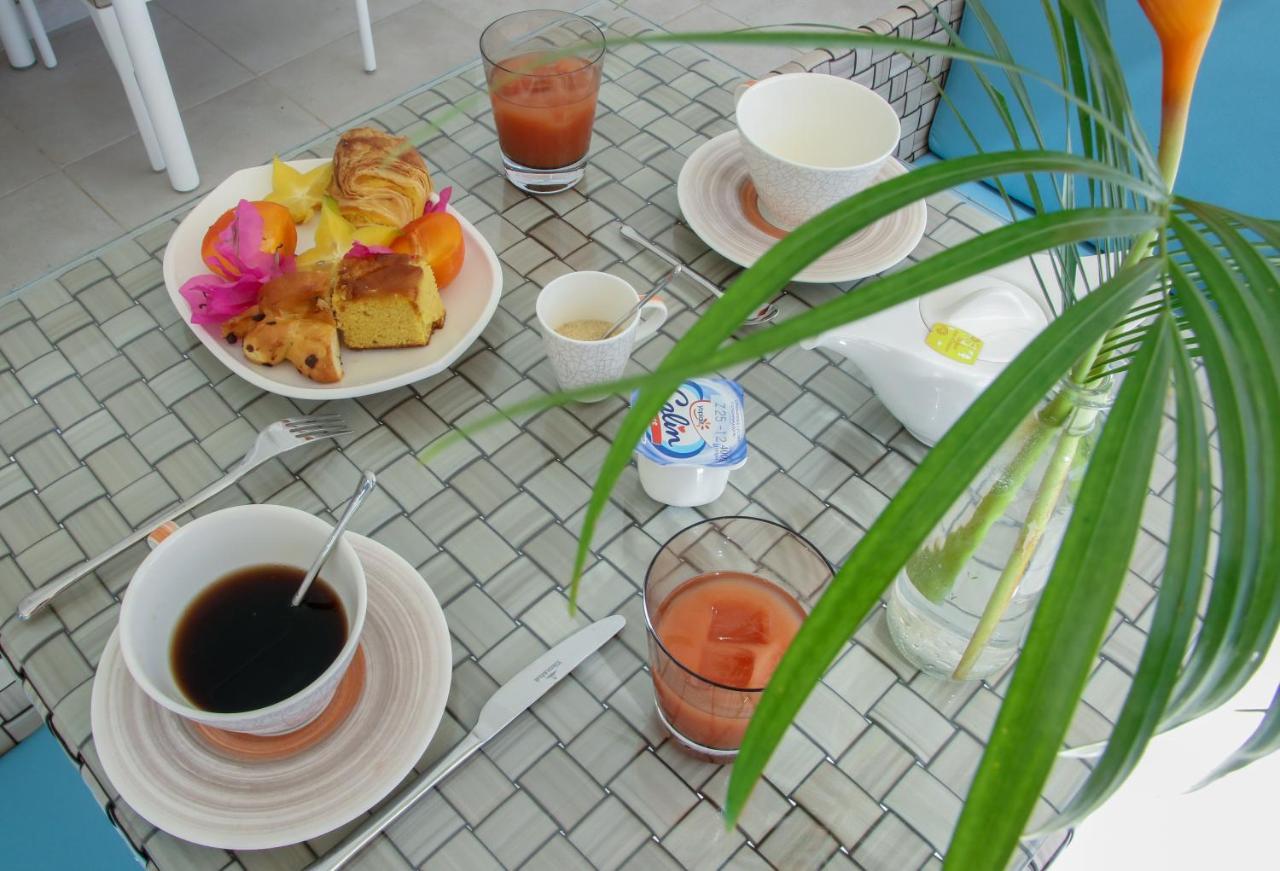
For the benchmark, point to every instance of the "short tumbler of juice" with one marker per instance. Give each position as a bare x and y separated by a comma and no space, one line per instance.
723,599
543,73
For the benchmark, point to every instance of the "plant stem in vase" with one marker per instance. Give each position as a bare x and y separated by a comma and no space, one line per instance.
960,606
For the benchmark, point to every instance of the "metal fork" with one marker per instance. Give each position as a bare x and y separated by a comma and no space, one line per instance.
274,440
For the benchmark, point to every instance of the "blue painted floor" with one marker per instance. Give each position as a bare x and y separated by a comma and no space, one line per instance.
48,819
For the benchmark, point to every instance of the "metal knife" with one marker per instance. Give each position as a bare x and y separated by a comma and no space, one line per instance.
512,699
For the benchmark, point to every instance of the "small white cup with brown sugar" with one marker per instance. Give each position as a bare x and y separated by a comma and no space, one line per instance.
574,312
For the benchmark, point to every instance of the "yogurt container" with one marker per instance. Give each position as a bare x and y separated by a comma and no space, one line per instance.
696,440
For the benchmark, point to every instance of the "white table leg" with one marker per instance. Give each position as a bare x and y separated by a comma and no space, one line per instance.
153,80
36,26
109,30
366,35
13,35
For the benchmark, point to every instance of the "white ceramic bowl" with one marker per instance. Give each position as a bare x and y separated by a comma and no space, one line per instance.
811,140
202,552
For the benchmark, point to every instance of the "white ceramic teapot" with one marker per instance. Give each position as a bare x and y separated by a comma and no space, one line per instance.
929,358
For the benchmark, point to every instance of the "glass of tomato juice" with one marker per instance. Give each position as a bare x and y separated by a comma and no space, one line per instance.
722,601
543,72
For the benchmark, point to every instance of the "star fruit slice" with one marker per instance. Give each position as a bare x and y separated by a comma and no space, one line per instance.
335,236
299,192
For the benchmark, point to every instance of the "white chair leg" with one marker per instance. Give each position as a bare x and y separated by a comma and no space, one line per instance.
109,30
153,80
13,36
366,35
36,26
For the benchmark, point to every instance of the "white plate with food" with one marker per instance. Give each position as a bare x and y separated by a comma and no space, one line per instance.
469,301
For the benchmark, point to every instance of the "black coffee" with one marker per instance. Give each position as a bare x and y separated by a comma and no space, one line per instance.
241,646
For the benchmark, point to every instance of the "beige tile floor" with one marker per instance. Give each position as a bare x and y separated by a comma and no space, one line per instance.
253,77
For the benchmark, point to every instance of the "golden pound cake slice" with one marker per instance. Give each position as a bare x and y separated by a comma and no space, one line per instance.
386,301
292,321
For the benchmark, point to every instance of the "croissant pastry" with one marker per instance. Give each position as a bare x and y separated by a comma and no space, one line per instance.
378,178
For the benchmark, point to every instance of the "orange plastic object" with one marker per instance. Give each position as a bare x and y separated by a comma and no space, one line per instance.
160,533
278,235
435,239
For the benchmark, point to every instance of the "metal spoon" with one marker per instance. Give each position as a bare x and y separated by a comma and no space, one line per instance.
765,314
657,288
367,482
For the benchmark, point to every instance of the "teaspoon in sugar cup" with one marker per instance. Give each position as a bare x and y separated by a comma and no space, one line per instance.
654,291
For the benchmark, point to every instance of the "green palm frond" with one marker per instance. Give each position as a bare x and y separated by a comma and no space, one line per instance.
800,248
1061,257
1186,309
1244,379
1179,594
1264,740
1071,619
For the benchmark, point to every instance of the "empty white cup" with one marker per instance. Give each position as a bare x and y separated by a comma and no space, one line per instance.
203,552
596,296
811,140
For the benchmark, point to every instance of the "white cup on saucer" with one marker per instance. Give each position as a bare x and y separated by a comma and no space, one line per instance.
811,140
596,296
203,552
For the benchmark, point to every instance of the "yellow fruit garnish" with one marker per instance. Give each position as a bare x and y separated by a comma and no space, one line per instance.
335,235
376,235
299,192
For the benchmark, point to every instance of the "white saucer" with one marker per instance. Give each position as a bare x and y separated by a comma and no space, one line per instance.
709,194
178,782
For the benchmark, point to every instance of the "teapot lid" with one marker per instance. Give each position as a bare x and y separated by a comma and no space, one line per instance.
1001,315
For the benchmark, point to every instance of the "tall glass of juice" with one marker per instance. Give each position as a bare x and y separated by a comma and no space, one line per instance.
543,72
722,600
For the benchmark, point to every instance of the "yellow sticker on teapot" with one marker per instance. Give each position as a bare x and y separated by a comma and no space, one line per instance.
954,343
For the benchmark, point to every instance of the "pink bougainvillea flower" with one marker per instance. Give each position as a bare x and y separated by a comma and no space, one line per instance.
438,202
361,251
214,299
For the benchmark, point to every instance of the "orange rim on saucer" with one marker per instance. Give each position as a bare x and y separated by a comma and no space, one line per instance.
240,745
710,192
750,201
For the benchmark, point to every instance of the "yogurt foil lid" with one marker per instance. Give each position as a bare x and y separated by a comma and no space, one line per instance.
702,424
